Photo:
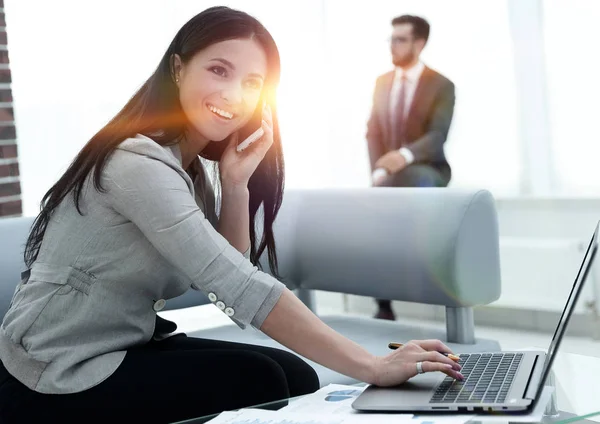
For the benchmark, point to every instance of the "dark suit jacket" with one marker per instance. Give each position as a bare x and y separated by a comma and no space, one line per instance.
427,122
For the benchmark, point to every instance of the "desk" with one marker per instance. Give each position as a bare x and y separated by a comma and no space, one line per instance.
577,392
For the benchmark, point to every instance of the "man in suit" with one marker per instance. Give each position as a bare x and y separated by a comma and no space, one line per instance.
409,123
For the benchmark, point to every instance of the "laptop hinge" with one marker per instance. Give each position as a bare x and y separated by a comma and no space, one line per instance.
534,379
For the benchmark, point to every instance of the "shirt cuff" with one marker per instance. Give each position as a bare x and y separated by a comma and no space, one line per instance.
408,155
378,173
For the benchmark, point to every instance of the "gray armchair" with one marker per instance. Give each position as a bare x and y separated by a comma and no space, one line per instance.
430,246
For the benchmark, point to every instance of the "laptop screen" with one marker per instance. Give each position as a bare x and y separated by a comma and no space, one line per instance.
569,307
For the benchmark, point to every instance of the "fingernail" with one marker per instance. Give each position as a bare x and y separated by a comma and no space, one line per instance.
460,376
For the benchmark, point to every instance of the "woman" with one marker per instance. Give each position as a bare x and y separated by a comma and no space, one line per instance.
132,222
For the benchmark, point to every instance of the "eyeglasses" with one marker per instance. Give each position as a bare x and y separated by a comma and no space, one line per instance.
400,40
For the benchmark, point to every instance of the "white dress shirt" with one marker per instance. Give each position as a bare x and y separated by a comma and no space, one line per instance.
412,76
411,80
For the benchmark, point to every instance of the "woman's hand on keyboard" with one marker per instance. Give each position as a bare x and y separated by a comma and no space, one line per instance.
401,364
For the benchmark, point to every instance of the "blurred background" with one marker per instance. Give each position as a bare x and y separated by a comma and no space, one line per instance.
525,123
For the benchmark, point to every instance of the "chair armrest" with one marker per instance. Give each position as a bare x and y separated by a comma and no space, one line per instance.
435,246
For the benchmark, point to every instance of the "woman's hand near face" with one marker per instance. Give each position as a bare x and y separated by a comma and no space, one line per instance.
235,167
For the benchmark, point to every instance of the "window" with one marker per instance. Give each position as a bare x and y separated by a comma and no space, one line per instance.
570,31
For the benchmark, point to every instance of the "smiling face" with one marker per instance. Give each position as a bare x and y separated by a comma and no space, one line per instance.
220,86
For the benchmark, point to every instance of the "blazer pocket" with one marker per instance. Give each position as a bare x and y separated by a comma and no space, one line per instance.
28,304
71,278
44,301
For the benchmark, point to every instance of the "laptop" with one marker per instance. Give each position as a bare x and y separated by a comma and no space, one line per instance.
494,381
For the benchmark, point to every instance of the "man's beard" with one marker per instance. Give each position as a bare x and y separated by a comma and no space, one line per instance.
403,61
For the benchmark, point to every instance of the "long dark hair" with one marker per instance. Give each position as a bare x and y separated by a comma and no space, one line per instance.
155,111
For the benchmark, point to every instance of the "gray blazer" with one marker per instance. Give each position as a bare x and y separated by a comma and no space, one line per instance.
100,278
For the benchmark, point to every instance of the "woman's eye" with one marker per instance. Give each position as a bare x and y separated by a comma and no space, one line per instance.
219,70
254,84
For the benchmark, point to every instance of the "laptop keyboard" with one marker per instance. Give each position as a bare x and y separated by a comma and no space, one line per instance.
488,378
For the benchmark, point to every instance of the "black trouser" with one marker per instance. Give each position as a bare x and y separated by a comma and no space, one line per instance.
171,380
417,175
